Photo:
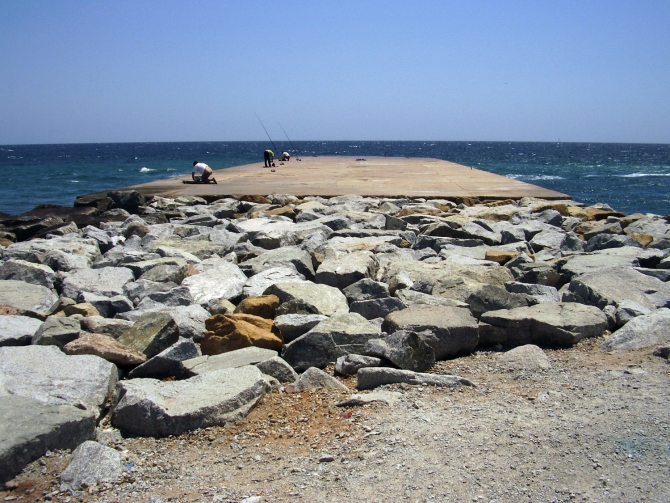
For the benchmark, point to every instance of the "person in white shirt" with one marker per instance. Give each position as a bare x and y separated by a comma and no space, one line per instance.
285,156
202,173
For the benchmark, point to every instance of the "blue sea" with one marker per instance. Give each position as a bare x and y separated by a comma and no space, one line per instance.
629,177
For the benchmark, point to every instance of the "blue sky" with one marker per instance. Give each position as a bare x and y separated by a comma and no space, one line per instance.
117,71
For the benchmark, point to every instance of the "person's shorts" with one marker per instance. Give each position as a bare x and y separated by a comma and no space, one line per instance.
205,176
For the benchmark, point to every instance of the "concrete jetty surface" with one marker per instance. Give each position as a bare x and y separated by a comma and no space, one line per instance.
372,176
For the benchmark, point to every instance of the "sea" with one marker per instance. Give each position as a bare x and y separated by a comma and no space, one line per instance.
629,177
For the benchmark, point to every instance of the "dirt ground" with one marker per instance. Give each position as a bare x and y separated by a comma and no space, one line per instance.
592,428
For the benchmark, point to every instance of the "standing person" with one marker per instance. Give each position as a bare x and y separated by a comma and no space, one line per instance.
202,172
269,156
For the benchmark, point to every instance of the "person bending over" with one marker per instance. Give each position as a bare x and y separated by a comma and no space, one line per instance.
285,156
202,173
268,157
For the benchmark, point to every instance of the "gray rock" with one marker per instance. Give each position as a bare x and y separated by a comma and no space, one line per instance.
308,298
154,408
232,359
278,368
17,330
366,289
259,283
189,319
555,240
57,331
617,284
179,296
369,378
219,280
108,307
527,357
468,230
409,297
290,256
450,331
376,308
46,374
655,226
292,326
540,293
98,325
605,241
141,267
551,217
151,334
169,362
164,273
313,378
662,274
107,281
492,298
92,463
28,429
138,290
627,310
605,228
61,254
344,271
30,300
349,364
337,336
405,350
641,332
605,259
269,233
548,324
389,398
21,270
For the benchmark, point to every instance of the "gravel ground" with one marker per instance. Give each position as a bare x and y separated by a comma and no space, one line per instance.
592,428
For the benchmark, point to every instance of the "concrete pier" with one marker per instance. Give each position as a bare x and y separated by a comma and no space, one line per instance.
371,176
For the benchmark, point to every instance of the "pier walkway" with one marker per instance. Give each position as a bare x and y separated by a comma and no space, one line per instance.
372,176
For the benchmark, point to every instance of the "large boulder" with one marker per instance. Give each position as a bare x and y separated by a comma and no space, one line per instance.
450,279
346,270
292,326
151,334
264,306
337,336
306,297
314,378
218,280
377,308
230,332
405,350
28,429
104,347
169,362
372,377
290,256
22,298
450,331
155,408
259,283
605,259
105,326
641,332
618,284
548,324
35,274
92,463
493,297
528,357
106,281
232,359
46,374
57,331
61,253
17,330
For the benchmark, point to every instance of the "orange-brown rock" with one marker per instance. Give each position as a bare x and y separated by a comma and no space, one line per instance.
562,208
284,211
500,256
644,239
104,347
263,306
85,309
585,227
237,331
252,198
591,213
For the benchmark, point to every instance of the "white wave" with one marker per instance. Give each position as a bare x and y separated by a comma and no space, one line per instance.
146,170
74,181
642,175
171,169
535,177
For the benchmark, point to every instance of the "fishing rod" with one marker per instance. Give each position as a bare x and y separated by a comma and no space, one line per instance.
266,132
289,140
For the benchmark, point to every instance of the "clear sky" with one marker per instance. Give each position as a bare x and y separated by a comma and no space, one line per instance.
117,71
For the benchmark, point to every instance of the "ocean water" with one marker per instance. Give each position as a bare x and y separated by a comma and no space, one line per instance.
629,177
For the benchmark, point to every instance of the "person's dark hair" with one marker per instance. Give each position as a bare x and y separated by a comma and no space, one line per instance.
195,162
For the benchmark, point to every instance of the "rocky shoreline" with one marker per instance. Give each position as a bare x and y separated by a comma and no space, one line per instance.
137,317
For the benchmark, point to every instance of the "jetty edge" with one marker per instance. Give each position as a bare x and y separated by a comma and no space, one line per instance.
330,176
298,328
